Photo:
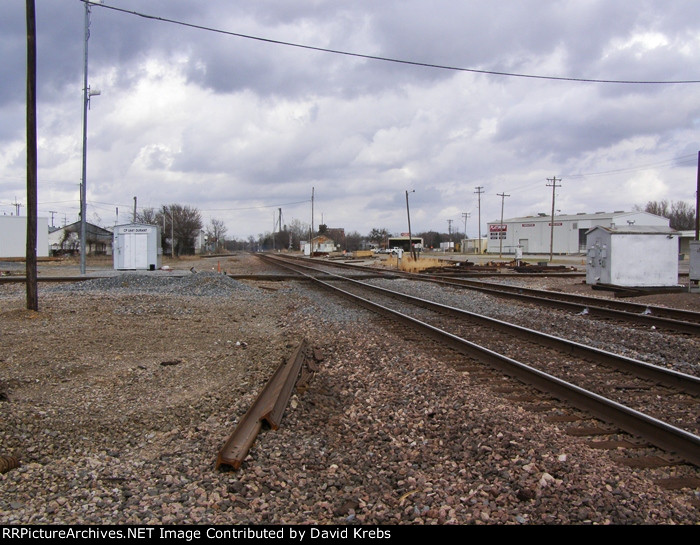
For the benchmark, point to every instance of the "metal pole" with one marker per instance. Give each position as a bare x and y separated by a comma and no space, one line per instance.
83,193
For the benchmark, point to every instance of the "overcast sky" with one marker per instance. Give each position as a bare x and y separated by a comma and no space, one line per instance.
239,127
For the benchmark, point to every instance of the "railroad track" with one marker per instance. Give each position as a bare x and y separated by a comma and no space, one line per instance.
648,316
613,388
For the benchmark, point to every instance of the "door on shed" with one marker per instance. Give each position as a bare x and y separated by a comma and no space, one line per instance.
135,251
523,242
140,251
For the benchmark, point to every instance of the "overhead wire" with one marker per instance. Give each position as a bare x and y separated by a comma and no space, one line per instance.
390,59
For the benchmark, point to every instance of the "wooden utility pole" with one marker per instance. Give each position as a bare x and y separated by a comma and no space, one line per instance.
31,274
554,186
311,234
697,203
410,235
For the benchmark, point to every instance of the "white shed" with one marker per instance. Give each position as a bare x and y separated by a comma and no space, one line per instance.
137,246
632,256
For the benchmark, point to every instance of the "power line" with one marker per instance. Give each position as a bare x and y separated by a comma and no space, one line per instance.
668,162
389,59
213,209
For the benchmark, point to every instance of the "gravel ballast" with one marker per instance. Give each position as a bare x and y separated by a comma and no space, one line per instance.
118,394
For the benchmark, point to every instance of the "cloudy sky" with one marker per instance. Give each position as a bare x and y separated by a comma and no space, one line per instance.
239,127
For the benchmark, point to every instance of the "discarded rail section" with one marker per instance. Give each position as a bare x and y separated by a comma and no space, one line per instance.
270,404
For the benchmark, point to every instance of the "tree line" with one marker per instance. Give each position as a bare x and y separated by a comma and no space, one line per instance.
180,226
680,214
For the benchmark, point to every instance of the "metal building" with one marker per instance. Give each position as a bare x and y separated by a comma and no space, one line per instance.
533,234
137,246
13,236
632,256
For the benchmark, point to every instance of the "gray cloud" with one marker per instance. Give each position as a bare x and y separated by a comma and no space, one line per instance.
238,127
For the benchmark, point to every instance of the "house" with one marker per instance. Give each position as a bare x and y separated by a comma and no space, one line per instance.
66,240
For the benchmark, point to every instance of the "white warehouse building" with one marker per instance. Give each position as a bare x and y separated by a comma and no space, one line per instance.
13,236
533,233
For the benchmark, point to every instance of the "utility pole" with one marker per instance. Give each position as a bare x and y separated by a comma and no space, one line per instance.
52,212
554,186
134,210
311,235
86,101
479,191
449,230
17,206
501,232
31,271
466,216
410,236
697,203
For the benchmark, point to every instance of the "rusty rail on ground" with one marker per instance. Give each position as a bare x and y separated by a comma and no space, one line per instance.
268,407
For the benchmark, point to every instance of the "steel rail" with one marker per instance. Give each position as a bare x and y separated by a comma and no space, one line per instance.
659,433
268,406
646,315
615,304
675,379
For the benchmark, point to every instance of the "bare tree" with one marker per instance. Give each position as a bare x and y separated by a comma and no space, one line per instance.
215,233
184,222
299,231
680,214
149,216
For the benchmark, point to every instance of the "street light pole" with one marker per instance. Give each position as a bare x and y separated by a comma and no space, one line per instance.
410,236
86,100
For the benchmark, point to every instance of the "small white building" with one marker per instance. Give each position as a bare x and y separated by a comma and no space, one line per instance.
137,246
13,236
533,234
632,256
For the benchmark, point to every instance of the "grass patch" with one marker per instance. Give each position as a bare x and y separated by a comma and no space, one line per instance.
408,264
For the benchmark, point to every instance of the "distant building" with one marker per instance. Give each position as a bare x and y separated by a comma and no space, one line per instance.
66,240
13,236
684,240
403,243
322,243
533,233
